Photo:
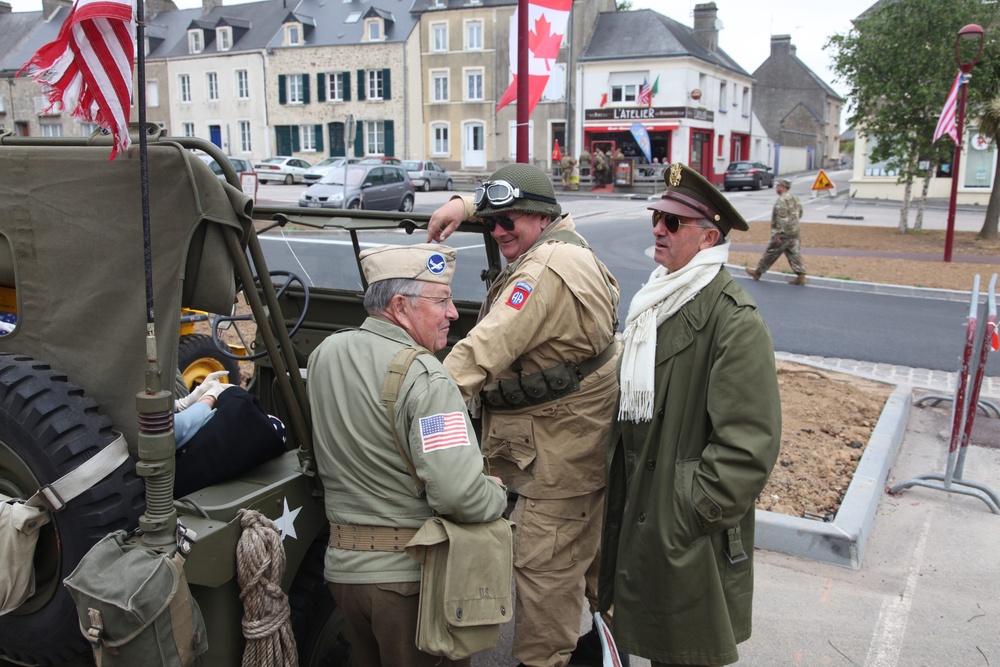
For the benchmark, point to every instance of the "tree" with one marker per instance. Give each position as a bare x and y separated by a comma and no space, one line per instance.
989,124
624,5
898,61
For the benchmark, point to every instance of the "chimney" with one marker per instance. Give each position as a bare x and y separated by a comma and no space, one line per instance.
781,45
6,8
706,25
154,7
209,5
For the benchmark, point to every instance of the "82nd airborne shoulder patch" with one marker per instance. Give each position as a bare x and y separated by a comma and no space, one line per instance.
519,296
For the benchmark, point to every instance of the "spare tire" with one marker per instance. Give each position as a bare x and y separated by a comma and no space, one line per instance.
47,428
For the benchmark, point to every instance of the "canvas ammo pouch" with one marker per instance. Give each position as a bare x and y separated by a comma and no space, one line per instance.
135,607
544,386
21,521
465,585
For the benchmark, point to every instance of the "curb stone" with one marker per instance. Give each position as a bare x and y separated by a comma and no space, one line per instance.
843,541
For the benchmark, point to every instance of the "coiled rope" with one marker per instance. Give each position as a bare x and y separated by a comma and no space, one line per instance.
260,565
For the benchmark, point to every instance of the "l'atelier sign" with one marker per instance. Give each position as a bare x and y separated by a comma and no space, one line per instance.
648,113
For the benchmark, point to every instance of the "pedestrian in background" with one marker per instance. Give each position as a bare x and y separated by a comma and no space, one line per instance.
368,488
567,164
696,435
785,217
542,361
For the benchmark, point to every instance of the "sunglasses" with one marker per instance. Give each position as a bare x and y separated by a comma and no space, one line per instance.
671,221
505,221
501,193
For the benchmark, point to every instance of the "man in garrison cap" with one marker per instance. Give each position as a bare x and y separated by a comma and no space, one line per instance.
785,241
697,431
541,361
368,488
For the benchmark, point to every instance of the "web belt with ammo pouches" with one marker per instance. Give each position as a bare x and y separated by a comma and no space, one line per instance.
544,386
369,538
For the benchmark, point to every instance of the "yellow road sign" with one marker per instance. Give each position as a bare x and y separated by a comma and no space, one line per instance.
822,182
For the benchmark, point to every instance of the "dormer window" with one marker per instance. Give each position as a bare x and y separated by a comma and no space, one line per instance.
373,29
293,34
196,41
224,38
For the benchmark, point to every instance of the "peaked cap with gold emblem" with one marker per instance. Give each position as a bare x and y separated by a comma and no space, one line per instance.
690,195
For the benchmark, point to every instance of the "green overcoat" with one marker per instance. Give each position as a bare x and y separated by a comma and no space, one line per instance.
682,487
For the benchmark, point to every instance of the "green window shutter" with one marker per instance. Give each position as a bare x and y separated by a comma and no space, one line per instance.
318,137
347,86
283,133
390,137
282,99
359,140
295,138
361,84
386,94
321,87
305,89
337,140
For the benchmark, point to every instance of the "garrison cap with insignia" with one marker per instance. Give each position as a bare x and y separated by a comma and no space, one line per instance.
429,262
690,195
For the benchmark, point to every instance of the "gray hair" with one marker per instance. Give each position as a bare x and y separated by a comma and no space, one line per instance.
380,293
704,223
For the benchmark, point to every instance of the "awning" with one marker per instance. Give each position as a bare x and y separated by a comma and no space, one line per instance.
625,128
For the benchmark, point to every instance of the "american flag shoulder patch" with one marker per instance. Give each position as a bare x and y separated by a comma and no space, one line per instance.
442,431
519,296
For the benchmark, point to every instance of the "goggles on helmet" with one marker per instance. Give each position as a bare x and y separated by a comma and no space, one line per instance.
502,193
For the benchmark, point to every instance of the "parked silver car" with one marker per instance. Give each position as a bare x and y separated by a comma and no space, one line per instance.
281,168
374,187
240,164
314,174
427,175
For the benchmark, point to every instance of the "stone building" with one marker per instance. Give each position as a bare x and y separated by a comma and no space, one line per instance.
797,108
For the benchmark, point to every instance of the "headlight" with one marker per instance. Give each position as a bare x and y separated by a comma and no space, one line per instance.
336,197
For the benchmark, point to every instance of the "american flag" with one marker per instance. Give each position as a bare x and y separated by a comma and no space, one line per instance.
645,94
947,124
442,431
87,69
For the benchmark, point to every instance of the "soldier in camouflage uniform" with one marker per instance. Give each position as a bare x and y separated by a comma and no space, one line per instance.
784,235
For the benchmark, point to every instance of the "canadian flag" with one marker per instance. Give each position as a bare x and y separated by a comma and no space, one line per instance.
547,21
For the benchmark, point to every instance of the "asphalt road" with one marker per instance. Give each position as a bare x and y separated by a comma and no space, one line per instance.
908,331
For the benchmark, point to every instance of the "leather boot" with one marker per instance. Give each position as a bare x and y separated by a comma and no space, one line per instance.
753,273
800,279
588,652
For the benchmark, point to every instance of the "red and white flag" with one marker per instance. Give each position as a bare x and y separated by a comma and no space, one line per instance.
87,69
547,20
947,124
645,94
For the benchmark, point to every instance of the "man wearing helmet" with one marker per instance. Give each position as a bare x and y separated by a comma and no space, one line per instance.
541,362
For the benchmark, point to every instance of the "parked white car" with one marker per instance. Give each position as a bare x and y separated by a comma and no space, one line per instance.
281,168
315,173
427,175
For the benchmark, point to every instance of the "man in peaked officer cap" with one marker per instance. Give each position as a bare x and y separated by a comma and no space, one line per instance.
367,487
698,402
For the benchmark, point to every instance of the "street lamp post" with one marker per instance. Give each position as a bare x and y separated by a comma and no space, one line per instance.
969,32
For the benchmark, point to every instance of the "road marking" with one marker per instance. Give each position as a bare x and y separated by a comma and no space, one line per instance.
890,628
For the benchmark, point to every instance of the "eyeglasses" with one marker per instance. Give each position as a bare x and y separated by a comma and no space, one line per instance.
672,222
501,193
505,221
443,301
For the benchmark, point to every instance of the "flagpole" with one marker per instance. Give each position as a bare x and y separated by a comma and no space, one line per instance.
523,78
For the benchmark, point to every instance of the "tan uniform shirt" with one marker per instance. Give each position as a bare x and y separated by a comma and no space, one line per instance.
554,306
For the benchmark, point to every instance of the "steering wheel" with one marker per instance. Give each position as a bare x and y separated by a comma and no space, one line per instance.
224,321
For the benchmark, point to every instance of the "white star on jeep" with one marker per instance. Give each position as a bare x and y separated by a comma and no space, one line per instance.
286,522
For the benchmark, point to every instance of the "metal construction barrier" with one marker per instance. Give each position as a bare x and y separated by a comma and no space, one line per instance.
965,404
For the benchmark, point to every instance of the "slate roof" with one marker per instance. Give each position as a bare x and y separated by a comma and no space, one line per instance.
23,33
420,6
329,25
263,20
646,34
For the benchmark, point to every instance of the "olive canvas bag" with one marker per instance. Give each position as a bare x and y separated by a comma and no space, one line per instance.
466,569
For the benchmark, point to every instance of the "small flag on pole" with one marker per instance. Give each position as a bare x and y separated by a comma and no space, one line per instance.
645,94
656,85
87,69
947,124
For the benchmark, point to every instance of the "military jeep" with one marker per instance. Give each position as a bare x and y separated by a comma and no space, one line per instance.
80,361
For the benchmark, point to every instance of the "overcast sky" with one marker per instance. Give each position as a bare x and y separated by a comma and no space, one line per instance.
746,26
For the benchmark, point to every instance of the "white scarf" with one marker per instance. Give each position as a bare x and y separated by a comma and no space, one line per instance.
662,296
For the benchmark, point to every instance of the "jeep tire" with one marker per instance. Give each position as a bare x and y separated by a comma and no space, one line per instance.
47,428
197,356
